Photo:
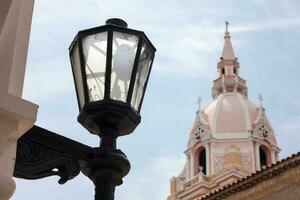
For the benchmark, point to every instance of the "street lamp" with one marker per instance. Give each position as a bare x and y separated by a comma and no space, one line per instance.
111,65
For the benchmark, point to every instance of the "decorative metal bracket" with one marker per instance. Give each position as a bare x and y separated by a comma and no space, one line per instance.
42,153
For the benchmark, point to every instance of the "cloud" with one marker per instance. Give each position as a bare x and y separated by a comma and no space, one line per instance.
181,48
288,136
152,182
187,43
279,9
268,24
48,78
149,183
36,189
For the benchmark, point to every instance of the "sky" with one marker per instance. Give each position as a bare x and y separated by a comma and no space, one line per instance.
188,36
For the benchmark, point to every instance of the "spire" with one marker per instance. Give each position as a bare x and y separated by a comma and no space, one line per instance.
199,100
260,98
228,53
229,79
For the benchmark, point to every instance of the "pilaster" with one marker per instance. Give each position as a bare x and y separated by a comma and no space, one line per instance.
17,116
192,165
212,164
253,155
188,171
257,160
273,156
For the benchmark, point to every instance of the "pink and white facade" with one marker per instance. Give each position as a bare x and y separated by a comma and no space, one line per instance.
230,139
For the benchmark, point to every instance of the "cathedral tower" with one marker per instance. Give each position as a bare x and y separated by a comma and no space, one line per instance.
230,138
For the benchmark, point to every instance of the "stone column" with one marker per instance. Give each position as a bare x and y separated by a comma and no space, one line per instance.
192,165
273,156
212,164
257,158
16,114
253,156
188,168
277,155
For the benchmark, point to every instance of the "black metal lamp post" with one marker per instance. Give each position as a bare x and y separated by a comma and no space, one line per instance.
111,66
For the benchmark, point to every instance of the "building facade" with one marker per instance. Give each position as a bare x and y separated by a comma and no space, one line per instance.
279,181
16,114
230,139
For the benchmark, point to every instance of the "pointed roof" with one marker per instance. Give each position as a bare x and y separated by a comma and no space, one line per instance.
228,53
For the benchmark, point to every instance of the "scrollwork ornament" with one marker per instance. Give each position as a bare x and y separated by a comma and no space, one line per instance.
36,161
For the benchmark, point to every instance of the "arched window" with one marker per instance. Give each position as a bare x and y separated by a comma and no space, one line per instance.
263,157
202,161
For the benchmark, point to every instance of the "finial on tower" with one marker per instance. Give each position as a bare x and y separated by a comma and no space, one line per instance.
260,98
227,34
226,25
228,53
199,103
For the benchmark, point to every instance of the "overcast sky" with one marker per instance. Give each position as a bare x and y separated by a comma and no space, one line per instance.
188,36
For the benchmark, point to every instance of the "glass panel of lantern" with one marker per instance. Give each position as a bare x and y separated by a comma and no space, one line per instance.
94,52
123,56
143,70
75,60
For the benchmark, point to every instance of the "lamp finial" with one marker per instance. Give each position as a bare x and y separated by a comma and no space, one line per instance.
116,22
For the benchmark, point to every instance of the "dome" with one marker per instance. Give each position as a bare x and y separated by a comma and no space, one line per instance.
231,115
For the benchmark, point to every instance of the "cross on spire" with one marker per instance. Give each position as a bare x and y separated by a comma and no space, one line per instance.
260,98
226,25
199,102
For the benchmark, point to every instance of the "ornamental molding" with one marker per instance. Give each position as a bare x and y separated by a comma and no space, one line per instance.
201,130
219,156
261,124
231,135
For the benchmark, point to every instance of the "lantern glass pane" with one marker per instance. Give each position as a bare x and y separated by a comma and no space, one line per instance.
94,51
75,61
124,52
144,64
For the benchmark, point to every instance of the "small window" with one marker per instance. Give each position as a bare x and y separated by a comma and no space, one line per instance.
234,70
262,130
223,71
228,70
200,133
202,161
263,158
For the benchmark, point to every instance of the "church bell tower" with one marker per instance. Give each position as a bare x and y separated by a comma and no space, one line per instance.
231,137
